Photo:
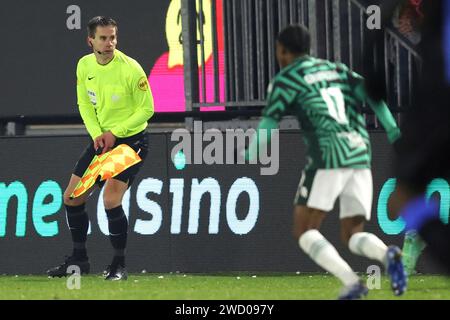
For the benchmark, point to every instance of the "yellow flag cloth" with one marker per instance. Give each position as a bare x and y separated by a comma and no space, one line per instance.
106,166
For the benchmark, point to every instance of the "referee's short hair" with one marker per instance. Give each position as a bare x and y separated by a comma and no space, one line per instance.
296,39
100,21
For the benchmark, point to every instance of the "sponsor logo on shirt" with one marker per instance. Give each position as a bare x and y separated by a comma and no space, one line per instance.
92,97
143,84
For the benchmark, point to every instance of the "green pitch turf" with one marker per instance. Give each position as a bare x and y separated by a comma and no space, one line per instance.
205,287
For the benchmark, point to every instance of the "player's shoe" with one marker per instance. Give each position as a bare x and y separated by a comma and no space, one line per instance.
396,270
115,272
59,271
354,292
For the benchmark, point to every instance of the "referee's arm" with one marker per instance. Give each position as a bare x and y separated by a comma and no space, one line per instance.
143,98
86,109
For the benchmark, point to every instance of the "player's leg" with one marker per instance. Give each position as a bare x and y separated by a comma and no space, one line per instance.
114,190
419,160
77,218
307,222
413,245
355,208
319,189
362,243
78,223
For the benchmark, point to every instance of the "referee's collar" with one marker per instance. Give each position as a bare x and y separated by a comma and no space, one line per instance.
116,52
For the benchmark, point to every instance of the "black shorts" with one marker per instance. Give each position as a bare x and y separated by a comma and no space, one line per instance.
138,143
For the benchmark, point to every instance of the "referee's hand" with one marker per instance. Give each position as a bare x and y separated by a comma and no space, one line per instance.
109,139
98,144
104,143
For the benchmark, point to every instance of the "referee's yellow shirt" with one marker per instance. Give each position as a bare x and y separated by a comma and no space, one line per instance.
114,97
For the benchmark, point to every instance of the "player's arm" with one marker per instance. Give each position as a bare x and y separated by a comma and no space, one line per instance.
86,108
386,118
143,98
379,107
280,96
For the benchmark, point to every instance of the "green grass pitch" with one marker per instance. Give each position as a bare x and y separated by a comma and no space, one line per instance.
235,286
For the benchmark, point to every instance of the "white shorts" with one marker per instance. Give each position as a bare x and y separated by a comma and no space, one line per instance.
319,189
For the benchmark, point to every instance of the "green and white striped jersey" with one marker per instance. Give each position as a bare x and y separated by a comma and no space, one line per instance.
326,98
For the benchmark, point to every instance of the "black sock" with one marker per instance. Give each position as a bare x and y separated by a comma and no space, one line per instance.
118,261
118,227
78,221
80,254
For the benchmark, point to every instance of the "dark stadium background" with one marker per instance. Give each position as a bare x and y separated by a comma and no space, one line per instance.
40,53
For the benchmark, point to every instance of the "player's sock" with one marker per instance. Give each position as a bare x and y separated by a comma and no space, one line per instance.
325,255
368,245
118,227
78,222
79,251
119,260
412,249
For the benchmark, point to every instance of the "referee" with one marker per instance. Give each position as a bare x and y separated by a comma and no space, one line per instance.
115,102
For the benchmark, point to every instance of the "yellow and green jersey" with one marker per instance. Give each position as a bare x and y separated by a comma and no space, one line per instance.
326,98
114,97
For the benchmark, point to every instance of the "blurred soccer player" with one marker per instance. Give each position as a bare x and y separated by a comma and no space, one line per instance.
326,99
115,102
422,151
